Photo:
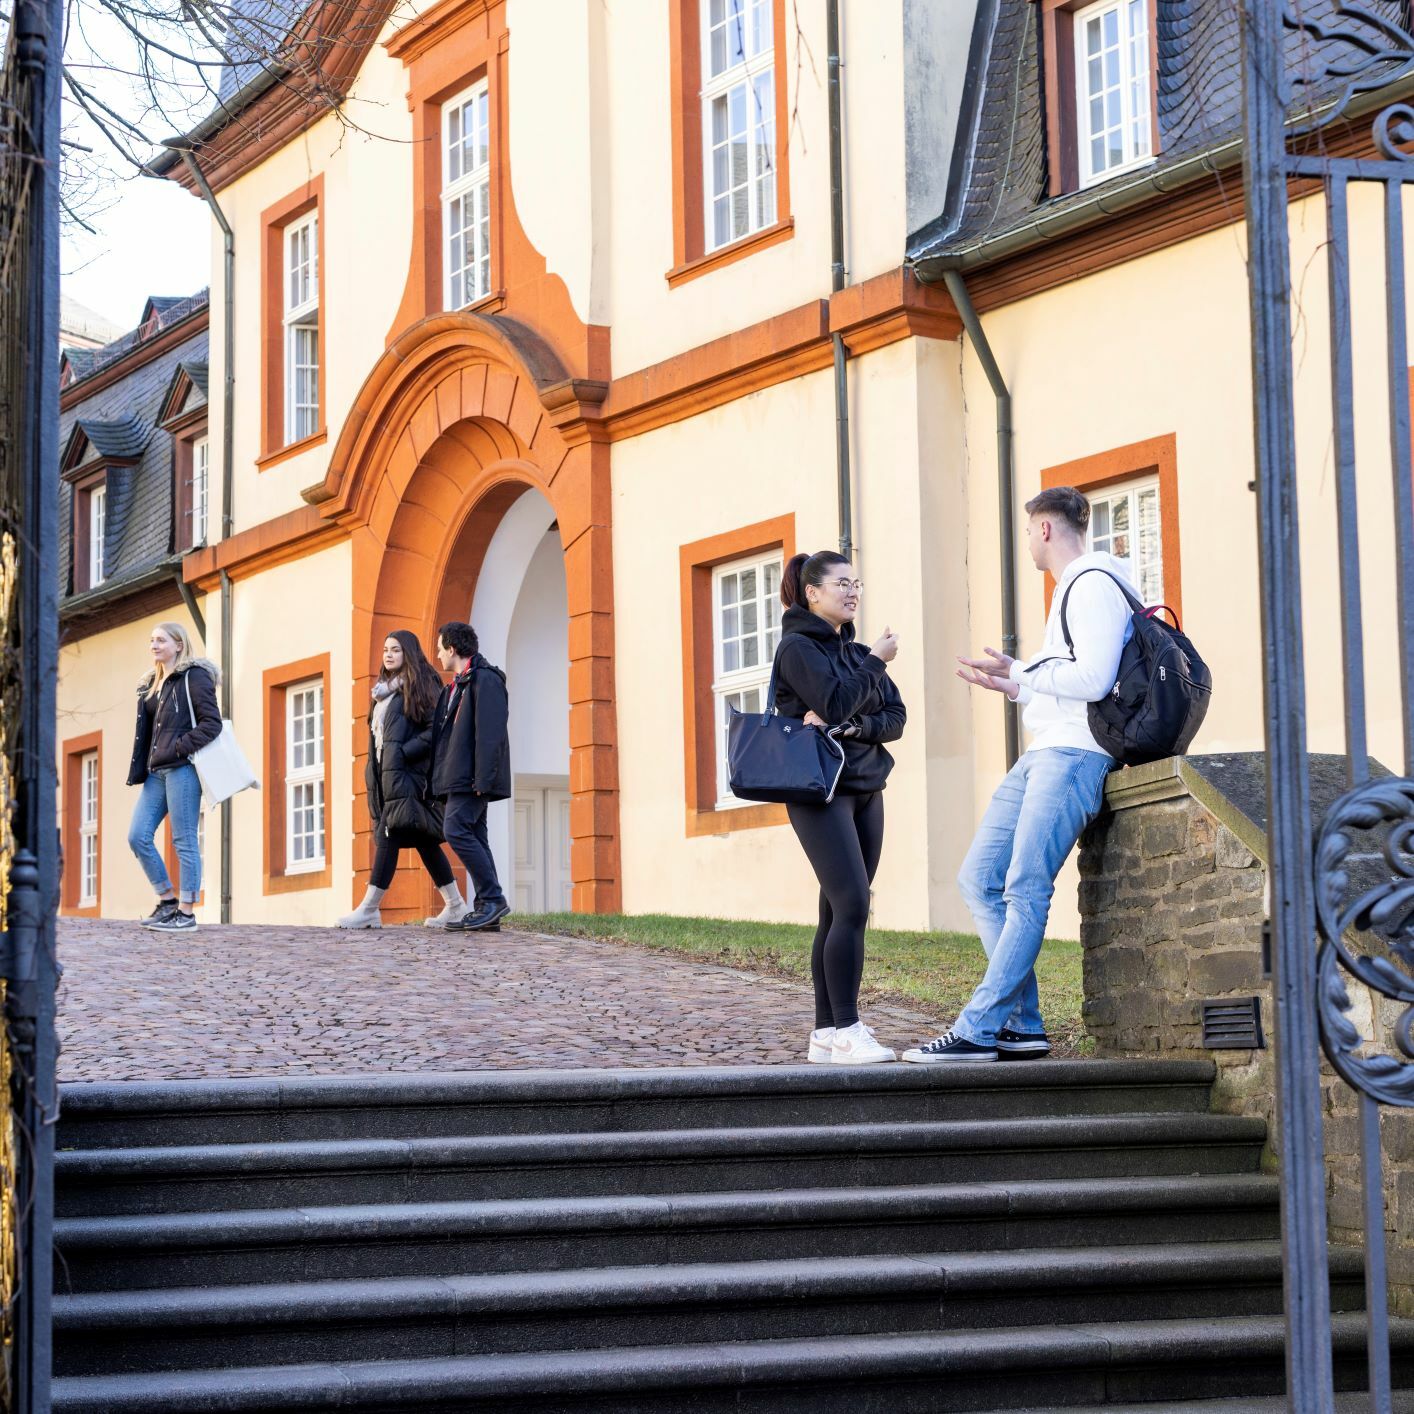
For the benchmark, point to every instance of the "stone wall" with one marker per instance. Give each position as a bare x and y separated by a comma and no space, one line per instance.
1173,901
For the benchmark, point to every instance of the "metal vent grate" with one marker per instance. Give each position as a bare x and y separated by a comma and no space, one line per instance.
1234,1024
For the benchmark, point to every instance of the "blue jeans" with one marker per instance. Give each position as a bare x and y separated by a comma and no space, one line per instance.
175,790
464,828
1009,875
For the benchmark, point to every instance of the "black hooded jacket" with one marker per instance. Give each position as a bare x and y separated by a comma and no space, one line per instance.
399,778
471,747
168,729
828,673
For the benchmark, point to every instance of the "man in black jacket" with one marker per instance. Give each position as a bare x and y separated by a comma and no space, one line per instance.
471,766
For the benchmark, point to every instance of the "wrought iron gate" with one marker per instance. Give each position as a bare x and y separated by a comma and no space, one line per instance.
1306,65
29,582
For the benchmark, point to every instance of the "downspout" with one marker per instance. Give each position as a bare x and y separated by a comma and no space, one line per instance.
957,288
228,432
837,281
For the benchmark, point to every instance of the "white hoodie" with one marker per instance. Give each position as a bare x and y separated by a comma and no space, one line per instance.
1057,694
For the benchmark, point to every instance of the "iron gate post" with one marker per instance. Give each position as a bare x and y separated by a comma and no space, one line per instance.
1293,915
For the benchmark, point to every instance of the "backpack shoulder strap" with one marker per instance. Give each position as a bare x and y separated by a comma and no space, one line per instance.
1134,603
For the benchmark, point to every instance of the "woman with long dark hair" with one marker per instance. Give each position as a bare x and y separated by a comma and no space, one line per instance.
832,682
399,762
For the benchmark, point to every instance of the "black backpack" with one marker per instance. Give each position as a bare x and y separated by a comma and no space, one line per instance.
1161,693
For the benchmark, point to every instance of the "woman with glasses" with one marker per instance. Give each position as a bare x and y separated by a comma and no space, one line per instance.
831,681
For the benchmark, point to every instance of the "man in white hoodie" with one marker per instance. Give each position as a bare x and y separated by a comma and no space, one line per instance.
1053,791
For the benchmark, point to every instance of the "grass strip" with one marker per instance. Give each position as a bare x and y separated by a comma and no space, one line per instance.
929,972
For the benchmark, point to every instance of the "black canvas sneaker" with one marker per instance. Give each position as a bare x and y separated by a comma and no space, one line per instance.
950,1049
175,922
1022,1045
165,909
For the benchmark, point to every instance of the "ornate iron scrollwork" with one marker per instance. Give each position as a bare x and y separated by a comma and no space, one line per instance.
1385,907
1366,51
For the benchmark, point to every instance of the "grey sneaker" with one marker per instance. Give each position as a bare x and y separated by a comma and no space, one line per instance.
165,909
176,922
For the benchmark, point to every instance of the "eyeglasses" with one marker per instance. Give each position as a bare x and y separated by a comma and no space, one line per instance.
845,585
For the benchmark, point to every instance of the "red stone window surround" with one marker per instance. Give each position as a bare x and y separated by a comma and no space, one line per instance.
691,258
447,50
72,753
274,221
696,563
186,431
1156,456
84,485
274,691
1058,70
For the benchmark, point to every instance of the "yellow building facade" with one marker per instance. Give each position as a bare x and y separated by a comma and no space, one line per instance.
537,329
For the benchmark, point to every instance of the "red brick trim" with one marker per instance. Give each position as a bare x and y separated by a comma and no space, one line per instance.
72,752
275,685
696,562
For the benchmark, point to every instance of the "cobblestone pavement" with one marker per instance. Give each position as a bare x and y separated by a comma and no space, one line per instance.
249,1000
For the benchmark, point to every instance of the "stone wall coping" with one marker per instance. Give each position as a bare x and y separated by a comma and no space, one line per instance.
1176,777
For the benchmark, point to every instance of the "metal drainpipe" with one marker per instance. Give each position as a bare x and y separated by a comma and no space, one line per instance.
227,483
957,288
837,280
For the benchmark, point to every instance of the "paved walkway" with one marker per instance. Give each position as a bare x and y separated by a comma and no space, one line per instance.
249,1000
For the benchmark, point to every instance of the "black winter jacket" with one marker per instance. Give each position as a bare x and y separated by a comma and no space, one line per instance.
471,747
169,735
398,780
828,673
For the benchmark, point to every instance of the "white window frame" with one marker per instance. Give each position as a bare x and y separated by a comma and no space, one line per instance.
472,189
1135,89
729,682
200,488
1154,593
88,829
307,775
97,531
299,273
761,189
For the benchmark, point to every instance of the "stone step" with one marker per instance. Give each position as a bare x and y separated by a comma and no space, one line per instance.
431,1239
207,1177
1355,1403
695,1303
1118,1366
141,1114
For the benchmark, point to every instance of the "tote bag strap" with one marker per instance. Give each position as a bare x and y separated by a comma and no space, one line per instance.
191,711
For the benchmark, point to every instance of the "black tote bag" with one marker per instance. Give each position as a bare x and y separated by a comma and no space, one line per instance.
779,759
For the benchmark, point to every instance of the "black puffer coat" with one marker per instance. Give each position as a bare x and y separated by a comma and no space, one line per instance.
472,750
828,673
168,735
397,780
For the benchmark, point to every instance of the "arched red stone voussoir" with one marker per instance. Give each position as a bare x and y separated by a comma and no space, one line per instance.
450,428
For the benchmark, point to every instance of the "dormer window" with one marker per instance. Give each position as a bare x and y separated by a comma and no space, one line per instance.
97,530
1112,87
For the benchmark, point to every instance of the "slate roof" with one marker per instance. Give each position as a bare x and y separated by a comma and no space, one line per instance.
170,311
120,419
1000,166
121,439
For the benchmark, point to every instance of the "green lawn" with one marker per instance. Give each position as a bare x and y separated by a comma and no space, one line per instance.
934,972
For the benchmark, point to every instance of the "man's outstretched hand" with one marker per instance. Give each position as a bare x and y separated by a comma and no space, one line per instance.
991,672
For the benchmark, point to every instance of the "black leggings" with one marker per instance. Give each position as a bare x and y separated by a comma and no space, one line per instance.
385,858
842,841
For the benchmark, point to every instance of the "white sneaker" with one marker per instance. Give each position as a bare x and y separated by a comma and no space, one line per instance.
820,1049
452,913
855,1045
361,918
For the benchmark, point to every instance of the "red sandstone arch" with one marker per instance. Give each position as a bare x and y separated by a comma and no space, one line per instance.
458,417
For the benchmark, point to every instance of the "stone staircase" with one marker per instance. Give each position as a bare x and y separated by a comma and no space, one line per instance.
1025,1236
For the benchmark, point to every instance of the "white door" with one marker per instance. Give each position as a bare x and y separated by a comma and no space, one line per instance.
541,842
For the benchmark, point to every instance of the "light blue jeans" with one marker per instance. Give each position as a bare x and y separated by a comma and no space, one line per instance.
175,790
1009,875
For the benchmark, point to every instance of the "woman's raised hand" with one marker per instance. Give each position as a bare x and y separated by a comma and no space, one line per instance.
886,646
814,719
